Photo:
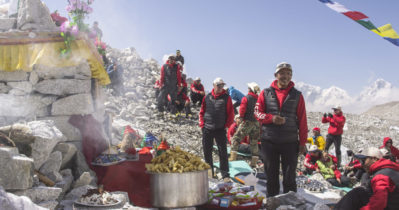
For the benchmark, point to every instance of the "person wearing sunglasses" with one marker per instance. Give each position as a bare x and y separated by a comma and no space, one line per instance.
382,190
215,116
281,110
392,152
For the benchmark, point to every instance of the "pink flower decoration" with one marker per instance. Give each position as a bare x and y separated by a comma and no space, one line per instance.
64,26
75,30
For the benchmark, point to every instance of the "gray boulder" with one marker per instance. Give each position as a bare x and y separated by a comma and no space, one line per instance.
53,163
34,15
81,71
16,171
67,150
7,23
23,86
73,105
11,201
22,106
69,131
40,194
63,86
55,176
46,137
67,179
4,88
33,78
6,76
84,179
52,205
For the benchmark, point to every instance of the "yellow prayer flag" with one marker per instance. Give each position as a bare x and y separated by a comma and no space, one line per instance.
386,31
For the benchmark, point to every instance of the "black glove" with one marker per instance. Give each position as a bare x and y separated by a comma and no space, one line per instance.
325,115
330,115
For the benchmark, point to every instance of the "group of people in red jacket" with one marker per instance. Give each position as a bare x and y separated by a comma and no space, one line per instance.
280,111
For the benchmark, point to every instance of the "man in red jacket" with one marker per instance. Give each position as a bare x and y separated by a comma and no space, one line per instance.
170,83
248,125
281,111
393,152
383,189
215,116
337,122
197,91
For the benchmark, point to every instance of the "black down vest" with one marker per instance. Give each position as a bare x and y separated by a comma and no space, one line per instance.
249,113
215,112
288,132
393,197
170,75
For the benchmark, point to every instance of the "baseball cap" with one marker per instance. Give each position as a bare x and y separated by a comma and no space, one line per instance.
218,81
337,107
282,65
197,79
316,129
369,152
313,148
254,87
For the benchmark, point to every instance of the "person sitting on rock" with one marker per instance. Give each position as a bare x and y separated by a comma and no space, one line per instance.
182,102
244,144
235,95
317,139
310,162
393,152
248,125
328,168
197,91
354,167
382,190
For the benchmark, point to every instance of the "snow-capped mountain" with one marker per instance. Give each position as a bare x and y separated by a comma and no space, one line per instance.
318,99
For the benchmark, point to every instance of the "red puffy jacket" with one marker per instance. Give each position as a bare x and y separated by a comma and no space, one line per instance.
337,123
381,185
394,150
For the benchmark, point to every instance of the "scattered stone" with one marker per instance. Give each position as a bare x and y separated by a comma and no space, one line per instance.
52,205
69,131
33,78
65,184
73,105
7,23
16,76
53,164
4,88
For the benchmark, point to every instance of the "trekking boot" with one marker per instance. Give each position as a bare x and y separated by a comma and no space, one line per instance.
233,156
254,161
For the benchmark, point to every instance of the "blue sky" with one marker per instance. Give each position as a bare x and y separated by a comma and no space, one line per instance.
242,40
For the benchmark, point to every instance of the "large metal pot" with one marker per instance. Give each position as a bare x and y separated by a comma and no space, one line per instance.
176,190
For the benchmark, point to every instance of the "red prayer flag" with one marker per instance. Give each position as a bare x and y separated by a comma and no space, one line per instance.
354,15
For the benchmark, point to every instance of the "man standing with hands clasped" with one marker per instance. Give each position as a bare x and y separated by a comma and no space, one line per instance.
281,111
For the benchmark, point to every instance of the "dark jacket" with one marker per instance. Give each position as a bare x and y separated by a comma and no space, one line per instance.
247,106
216,111
170,75
288,103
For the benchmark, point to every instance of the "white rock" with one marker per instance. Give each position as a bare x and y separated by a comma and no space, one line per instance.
16,171
11,201
73,105
49,204
69,131
47,136
63,86
41,193
34,15
21,106
84,179
24,86
13,76
52,164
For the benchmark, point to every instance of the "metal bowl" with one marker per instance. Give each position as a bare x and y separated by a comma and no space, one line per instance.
177,190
